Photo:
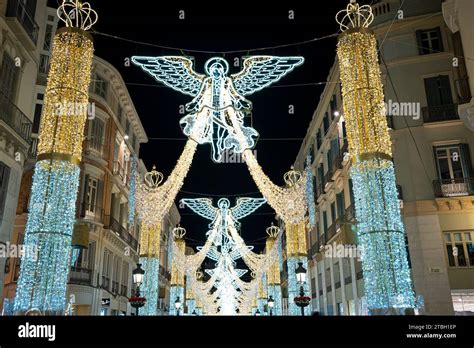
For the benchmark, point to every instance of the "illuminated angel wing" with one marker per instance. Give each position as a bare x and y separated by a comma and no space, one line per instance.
261,71
202,207
245,206
173,71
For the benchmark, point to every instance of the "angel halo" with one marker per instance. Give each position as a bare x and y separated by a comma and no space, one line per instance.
217,111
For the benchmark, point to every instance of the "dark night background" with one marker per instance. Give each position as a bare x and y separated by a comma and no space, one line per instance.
221,27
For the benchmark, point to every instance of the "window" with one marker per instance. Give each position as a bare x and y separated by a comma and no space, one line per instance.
96,134
337,275
9,75
37,118
438,90
47,37
86,257
107,264
91,195
44,64
429,41
325,222
453,162
326,122
333,105
4,178
127,127
117,269
333,212
125,270
459,249
340,204
318,139
99,86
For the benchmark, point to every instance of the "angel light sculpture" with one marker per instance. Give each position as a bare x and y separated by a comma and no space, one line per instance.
218,96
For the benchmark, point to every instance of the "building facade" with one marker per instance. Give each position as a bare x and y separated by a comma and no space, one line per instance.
101,274
425,89
21,40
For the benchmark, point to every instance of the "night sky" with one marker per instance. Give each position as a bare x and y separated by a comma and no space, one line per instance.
225,27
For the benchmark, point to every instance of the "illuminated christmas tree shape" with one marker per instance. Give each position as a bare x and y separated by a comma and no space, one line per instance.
218,96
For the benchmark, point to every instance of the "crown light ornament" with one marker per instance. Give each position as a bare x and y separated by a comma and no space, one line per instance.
52,208
380,232
355,16
76,14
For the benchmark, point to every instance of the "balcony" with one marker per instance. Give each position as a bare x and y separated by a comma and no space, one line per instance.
115,226
81,276
454,187
22,23
91,212
95,150
440,113
33,150
463,90
15,119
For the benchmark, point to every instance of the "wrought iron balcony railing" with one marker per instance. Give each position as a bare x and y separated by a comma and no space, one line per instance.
80,275
440,113
17,9
454,187
15,118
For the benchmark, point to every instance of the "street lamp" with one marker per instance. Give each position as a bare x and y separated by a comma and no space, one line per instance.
194,312
257,313
138,275
300,273
301,301
271,303
177,305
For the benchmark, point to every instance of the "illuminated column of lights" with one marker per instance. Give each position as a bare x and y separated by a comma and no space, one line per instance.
310,193
273,274
150,237
52,207
177,271
132,192
387,280
262,294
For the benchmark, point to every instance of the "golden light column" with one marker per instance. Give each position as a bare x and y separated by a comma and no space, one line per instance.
380,231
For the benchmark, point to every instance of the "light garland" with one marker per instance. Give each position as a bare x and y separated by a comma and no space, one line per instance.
132,192
43,281
387,280
310,193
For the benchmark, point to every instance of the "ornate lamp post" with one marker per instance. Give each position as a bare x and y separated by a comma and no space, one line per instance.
257,313
301,301
137,301
271,303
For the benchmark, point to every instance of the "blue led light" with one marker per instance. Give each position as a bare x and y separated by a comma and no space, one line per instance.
149,287
43,276
381,236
